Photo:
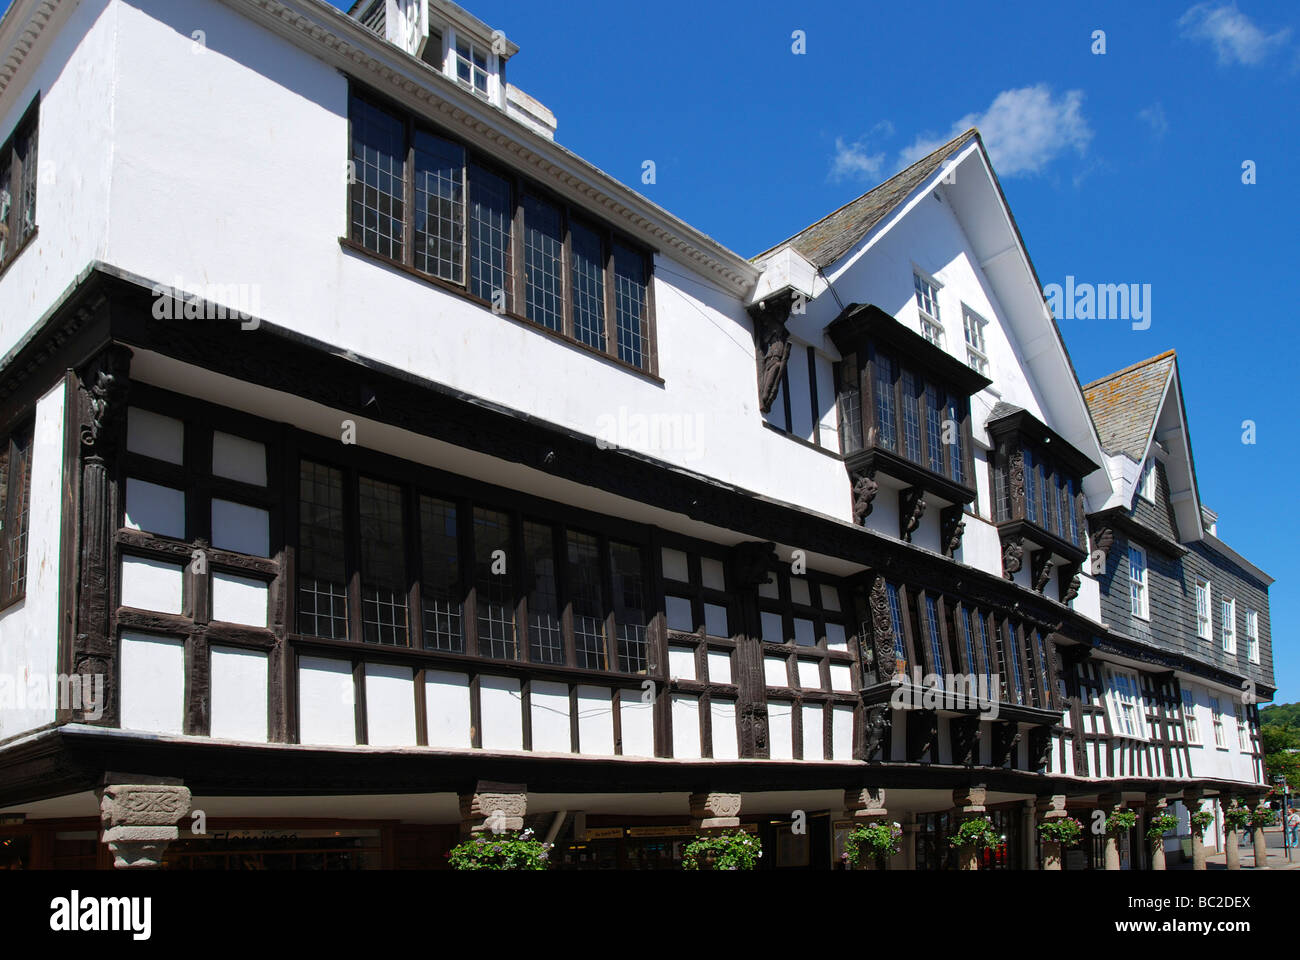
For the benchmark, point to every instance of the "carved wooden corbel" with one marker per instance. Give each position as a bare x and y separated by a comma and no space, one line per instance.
1013,555
922,734
749,564
911,507
875,732
773,346
965,733
952,526
1006,737
1040,567
1070,583
864,492
1040,746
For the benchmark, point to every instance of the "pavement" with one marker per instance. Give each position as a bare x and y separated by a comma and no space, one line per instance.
1277,855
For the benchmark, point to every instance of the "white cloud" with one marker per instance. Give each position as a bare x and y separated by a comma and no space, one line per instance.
1233,34
1154,117
853,162
1023,130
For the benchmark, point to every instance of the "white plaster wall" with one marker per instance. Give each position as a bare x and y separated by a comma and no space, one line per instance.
686,726
239,599
814,730
390,705
447,708
841,732
723,717
239,692
29,629
550,716
149,584
780,723
152,682
326,702
501,707
252,116
1208,760
595,721
72,69
637,722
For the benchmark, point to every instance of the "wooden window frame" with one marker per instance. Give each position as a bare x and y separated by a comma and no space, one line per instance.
19,491
519,186
28,126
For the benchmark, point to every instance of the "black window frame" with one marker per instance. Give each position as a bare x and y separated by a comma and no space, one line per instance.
516,261
20,154
18,448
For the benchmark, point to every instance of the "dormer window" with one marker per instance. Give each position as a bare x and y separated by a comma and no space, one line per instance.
472,66
927,303
1147,485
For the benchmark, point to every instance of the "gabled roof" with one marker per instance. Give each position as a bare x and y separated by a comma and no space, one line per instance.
836,233
1125,404
1137,407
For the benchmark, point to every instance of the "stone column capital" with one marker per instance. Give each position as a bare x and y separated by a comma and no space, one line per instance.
139,821
1052,807
714,810
867,803
495,807
970,800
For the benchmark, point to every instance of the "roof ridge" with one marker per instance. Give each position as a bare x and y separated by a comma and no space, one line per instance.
862,196
1131,367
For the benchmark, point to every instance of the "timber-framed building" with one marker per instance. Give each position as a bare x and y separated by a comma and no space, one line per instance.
372,465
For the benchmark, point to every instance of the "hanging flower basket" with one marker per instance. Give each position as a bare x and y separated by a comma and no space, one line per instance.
1263,817
979,833
1120,821
1202,819
723,851
1158,826
501,851
1063,831
1236,818
873,842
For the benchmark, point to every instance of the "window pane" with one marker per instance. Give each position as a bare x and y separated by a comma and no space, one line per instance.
25,148
1031,501
6,204
630,614
322,594
937,664
495,599
383,563
956,449
16,522
934,410
896,618
849,397
439,207
911,417
441,591
587,601
588,286
630,305
545,639
886,374
489,236
543,264
379,158
1011,652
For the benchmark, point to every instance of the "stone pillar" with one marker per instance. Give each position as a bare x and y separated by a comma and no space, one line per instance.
493,808
1028,827
867,806
1261,845
910,830
969,803
1052,808
715,811
1231,835
139,821
1109,803
1155,804
1192,798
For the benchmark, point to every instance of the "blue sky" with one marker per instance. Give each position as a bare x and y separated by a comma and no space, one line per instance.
1119,167
1122,167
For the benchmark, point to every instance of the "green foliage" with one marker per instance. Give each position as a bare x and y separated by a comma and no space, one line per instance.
1236,818
1121,820
1065,831
1202,819
1280,734
500,851
872,840
1159,825
723,851
978,833
1263,817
